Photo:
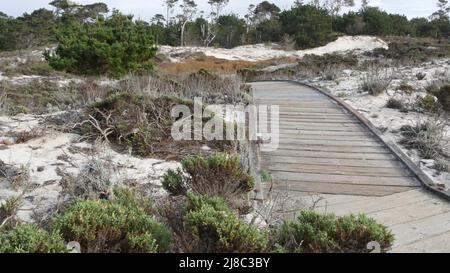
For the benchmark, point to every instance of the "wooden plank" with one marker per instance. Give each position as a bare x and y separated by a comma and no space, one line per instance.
410,212
336,149
340,170
435,244
335,156
297,103
293,110
308,129
345,179
321,126
359,138
341,142
316,121
314,115
341,189
422,229
337,134
272,159
381,204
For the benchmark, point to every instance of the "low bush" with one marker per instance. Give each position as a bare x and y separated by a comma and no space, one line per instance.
331,73
411,52
30,68
406,88
31,239
215,228
428,103
395,104
316,233
216,175
329,64
421,76
376,81
40,96
426,137
443,96
442,165
8,211
104,226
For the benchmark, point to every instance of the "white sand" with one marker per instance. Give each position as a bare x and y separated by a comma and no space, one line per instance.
48,151
262,52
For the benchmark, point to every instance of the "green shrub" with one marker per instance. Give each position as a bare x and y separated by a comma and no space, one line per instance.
31,239
104,226
406,88
428,103
310,25
443,96
215,228
113,46
8,211
216,175
173,182
10,207
395,104
313,232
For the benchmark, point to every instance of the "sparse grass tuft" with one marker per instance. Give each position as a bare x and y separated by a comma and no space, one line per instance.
443,96
421,76
442,165
8,212
426,137
428,103
406,88
395,104
376,81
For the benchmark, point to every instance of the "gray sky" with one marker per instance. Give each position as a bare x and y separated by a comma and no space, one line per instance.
145,9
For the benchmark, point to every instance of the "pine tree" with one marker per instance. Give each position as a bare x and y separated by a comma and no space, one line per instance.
443,10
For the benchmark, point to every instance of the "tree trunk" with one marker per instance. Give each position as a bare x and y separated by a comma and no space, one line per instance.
183,27
167,18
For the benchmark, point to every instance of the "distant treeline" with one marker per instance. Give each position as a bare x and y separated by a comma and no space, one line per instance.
304,25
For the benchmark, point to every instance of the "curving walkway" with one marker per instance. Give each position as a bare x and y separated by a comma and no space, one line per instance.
330,160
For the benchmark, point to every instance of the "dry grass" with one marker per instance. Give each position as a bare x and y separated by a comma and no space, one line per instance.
427,137
376,81
217,65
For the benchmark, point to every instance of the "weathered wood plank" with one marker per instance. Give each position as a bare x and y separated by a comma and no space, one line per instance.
329,155
341,189
321,142
337,134
376,205
336,149
435,244
342,170
421,229
345,179
323,126
316,121
279,158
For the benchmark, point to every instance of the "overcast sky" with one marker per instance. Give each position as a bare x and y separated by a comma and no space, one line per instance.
145,9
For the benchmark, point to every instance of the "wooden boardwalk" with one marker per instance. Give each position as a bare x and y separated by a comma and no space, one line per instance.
329,159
